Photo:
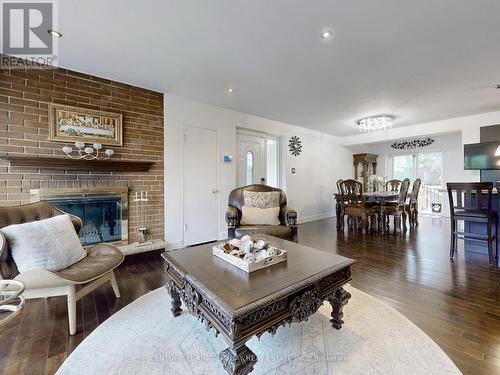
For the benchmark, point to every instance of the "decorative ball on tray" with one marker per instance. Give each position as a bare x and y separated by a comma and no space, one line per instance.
248,249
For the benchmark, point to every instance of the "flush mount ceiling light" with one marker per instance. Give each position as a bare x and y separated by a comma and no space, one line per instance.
230,90
326,34
375,123
54,33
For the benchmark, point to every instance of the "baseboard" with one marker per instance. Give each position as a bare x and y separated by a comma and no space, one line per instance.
174,245
321,216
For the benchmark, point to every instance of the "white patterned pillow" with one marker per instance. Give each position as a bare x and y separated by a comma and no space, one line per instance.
50,244
261,199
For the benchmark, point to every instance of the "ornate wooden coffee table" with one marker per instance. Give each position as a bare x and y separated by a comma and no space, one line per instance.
240,305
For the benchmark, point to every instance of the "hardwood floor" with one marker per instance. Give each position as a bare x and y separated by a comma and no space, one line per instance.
456,304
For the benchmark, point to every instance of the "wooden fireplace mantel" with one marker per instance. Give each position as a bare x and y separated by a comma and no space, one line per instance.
108,165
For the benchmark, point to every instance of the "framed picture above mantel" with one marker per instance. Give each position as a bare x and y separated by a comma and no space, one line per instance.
70,124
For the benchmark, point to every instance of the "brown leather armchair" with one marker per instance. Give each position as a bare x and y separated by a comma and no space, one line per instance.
288,217
89,273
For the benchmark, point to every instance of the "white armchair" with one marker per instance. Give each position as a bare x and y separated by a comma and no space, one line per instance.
75,281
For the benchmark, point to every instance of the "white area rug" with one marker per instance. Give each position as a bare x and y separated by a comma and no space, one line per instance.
144,338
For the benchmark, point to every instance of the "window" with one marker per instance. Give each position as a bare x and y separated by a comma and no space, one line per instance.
426,166
429,168
249,168
404,167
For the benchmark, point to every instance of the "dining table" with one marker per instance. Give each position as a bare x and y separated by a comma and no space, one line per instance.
379,197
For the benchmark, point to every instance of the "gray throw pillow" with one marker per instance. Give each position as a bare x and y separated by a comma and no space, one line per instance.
51,244
259,199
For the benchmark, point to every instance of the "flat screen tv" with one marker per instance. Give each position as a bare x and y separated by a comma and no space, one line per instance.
481,156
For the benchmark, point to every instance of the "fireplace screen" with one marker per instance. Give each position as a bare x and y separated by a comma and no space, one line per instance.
101,217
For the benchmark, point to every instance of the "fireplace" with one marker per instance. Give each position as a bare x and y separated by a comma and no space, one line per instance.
104,212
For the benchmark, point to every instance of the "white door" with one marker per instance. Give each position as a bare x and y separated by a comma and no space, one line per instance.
251,159
201,198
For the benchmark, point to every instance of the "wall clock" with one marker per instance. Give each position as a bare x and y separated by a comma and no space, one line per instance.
295,145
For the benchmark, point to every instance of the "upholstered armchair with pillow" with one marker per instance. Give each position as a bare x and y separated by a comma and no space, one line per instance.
39,246
267,213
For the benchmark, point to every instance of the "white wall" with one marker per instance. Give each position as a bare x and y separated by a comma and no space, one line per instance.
450,136
468,127
309,190
450,145
322,162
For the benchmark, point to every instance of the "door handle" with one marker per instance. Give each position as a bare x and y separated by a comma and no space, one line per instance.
215,191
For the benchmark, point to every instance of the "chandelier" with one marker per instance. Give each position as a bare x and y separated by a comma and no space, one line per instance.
375,123
87,153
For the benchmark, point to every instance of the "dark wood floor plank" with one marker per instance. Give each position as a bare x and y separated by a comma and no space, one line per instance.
24,338
53,363
37,359
6,345
413,274
89,310
58,336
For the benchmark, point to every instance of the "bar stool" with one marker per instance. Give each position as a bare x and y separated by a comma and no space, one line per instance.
471,209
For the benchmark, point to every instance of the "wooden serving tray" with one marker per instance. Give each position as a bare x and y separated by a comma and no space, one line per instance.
248,267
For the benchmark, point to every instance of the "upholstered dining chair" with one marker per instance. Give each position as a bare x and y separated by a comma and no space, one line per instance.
75,281
393,185
354,203
412,205
398,209
472,202
287,229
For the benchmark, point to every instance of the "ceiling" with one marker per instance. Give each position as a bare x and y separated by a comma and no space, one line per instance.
419,61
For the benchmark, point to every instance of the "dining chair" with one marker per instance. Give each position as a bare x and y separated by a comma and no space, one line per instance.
354,203
339,181
339,209
393,185
467,204
412,206
398,209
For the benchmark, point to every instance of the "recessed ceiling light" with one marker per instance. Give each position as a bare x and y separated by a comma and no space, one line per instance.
327,34
230,90
54,33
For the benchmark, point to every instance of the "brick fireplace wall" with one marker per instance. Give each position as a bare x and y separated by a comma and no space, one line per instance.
24,99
